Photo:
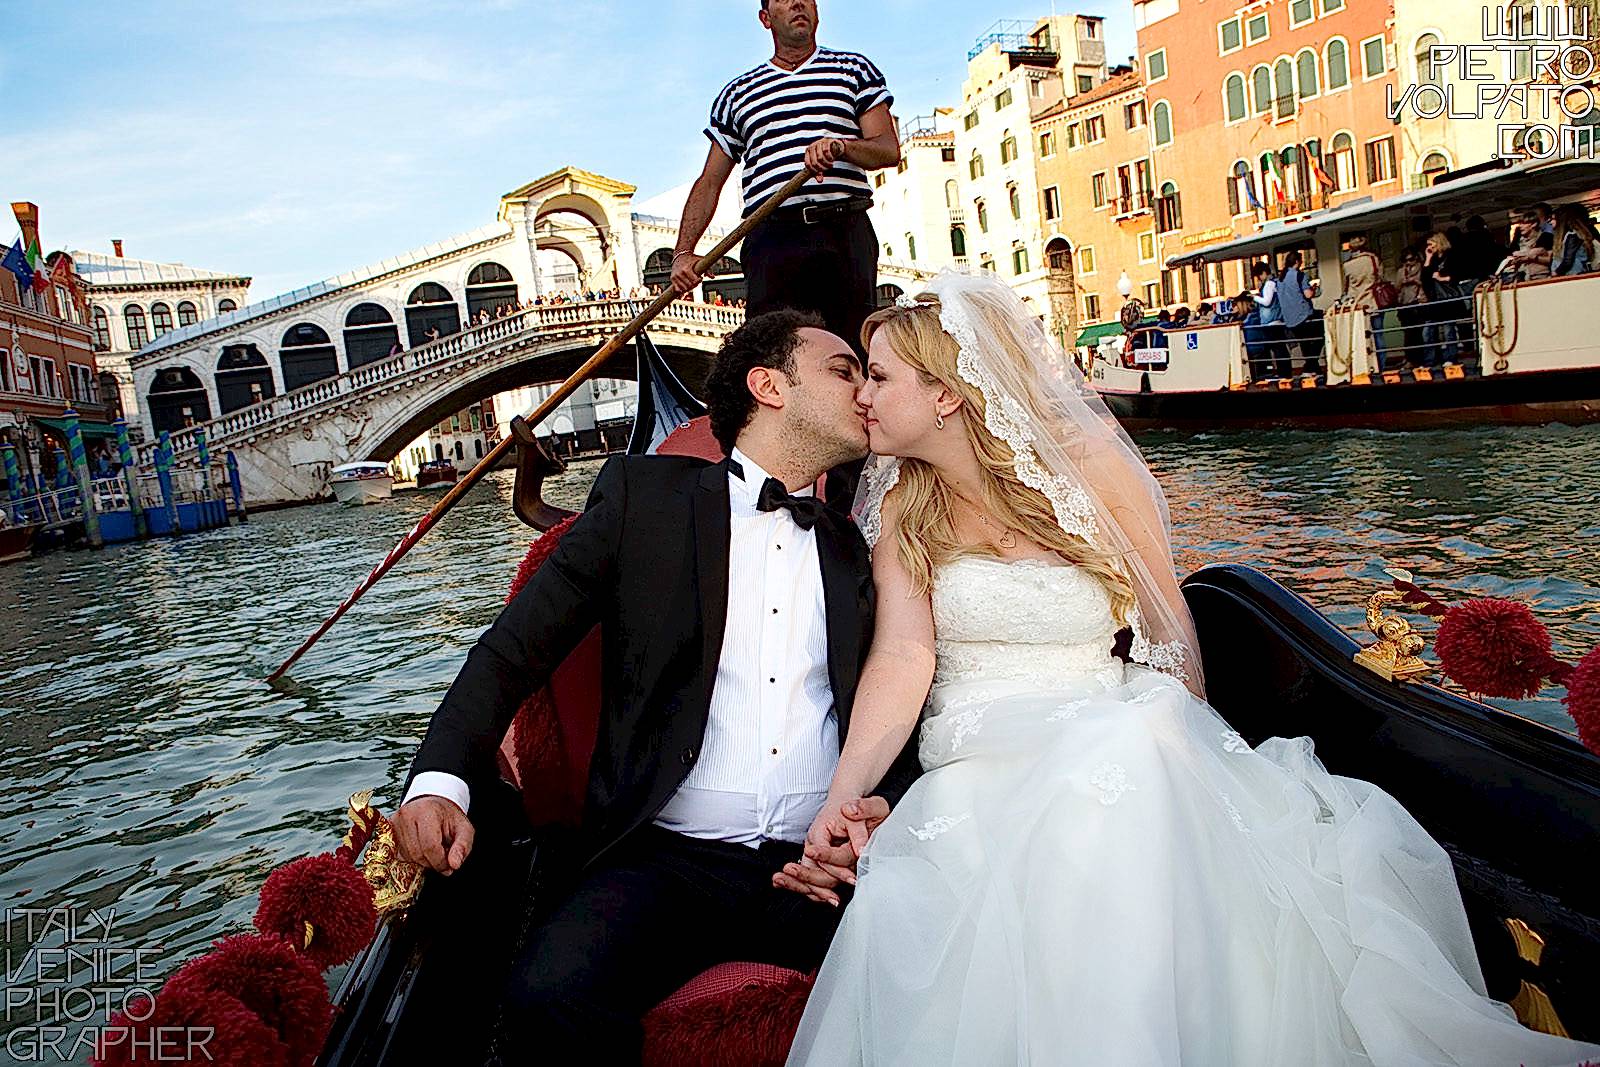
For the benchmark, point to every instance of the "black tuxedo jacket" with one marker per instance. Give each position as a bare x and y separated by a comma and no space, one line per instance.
647,561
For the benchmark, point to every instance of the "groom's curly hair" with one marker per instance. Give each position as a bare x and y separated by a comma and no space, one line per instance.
765,340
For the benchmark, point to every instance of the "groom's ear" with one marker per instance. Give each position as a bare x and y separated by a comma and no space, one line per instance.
763,385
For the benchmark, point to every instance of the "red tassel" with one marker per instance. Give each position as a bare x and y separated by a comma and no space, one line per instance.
187,1025
283,988
1495,647
331,895
1583,699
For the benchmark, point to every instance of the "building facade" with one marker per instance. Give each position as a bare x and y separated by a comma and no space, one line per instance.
917,207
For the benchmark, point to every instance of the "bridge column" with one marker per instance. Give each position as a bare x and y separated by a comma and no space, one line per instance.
530,216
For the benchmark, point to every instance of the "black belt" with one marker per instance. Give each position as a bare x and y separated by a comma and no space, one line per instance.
826,211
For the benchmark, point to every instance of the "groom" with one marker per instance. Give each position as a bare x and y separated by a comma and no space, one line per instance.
735,614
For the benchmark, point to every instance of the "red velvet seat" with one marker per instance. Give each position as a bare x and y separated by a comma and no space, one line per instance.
735,1013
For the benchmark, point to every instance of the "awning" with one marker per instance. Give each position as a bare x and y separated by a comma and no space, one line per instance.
1093,335
87,428
1484,193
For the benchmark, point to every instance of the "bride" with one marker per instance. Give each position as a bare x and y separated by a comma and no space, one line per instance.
1095,869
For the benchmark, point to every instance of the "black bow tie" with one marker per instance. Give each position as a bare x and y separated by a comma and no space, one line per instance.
806,510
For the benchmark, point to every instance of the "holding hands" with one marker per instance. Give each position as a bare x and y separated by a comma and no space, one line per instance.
837,837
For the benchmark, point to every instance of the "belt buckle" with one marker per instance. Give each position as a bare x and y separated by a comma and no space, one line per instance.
806,215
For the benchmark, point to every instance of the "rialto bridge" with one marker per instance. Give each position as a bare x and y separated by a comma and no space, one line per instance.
357,366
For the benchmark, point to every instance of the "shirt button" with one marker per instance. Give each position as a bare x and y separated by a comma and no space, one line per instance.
687,757
774,752
774,681
774,611
778,547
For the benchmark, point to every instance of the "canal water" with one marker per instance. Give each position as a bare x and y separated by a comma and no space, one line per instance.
147,768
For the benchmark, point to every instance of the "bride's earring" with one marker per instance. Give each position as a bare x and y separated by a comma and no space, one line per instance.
938,420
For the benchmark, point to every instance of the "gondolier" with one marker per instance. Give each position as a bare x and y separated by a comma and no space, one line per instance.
807,108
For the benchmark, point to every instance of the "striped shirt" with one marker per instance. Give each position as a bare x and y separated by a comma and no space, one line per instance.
766,118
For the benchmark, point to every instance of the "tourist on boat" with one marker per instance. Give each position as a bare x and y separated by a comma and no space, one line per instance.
1575,238
1532,247
1094,867
1301,319
1274,336
1410,294
1181,317
735,612
1204,313
1446,308
1362,274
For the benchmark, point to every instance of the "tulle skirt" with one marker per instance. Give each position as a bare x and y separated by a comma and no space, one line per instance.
1107,874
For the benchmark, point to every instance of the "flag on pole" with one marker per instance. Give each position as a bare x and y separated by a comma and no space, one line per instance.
1316,168
41,269
28,218
16,262
1249,182
1275,182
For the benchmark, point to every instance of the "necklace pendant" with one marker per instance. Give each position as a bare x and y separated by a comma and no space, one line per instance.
1008,540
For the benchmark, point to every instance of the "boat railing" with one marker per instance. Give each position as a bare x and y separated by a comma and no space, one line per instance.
1428,333
53,507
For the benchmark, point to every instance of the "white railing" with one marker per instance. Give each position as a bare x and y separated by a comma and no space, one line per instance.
54,507
552,319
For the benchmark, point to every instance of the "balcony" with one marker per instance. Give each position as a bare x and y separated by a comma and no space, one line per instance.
1127,205
958,215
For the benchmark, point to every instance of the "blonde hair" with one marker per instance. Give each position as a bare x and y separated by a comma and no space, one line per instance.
925,534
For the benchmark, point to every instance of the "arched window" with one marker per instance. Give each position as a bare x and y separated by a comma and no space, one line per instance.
1433,165
369,334
1058,255
1161,120
177,398
1242,198
983,217
188,314
1336,58
306,356
911,246
658,267
1015,199
490,287
1305,72
160,318
975,165
958,242
243,378
102,330
1283,87
1342,154
225,305
1169,212
1427,72
138,333
1261,90
460,452
430,307
888,293
1008,148
952,194
1233,97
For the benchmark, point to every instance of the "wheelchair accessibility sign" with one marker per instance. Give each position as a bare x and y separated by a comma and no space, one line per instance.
1192,341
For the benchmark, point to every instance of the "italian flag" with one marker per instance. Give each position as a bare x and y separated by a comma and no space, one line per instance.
1275,182
28,220
41,269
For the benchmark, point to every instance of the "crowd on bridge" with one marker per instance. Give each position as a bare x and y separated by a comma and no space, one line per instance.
485,316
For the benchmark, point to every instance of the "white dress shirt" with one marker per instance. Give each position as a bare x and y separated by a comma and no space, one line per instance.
772,736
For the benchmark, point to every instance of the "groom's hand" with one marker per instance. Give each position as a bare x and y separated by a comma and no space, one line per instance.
432,832
837,837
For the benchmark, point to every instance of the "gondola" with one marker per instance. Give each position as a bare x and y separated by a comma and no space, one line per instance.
1515,802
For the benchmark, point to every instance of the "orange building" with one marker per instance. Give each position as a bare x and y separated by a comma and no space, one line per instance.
1266,111
46,366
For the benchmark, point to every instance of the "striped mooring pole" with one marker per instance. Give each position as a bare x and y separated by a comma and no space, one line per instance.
130,478
80,470
164,479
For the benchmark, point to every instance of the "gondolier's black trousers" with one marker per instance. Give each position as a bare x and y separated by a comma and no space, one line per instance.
654,912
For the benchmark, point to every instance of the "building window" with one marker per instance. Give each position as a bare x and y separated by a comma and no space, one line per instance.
1094,129
986,262
983,217
1427,71
1047,145
102,329
1147,247
138,334
958,242
1155,65
1372,65
1091,307
947,155
1052,203
1300,13
1337,64
1261,90
1152,294
971,119
1255,29
975,166
1008,148
1305,70
460,451
160,318
225,305
1097,189
1019,260
1283,88
1085,83
5,371
1163,123
1343,157
878,179
1330,6
911,247
1133,115
1015,199
1002,99
1228,36
1169,213
1433,165
188,314
1233,97
1072,135
1086,260
1380,160
1242,199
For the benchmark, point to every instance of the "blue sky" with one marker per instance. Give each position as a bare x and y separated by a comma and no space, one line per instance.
294,139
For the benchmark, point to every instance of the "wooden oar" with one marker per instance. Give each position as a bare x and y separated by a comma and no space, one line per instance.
594,362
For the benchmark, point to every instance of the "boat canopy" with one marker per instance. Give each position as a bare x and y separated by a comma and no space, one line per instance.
1487,192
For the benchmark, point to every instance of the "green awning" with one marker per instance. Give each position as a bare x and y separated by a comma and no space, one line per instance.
1093,335
87,428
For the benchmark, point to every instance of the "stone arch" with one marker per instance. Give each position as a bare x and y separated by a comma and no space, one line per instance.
306,356
177,398
561,246
490,287
658,267
243,377
430,307
888,293
370,334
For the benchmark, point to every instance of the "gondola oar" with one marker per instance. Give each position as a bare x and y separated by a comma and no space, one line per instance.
550,403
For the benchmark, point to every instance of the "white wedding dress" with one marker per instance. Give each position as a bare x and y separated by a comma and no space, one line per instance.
1096,870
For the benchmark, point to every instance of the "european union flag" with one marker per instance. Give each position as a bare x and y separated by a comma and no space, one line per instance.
17,264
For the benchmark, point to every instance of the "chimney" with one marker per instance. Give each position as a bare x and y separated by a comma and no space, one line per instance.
116,247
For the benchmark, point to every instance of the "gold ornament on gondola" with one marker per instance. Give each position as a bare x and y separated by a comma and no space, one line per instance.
1395,656
395,882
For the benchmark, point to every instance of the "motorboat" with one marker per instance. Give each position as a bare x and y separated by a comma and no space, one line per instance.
361,483
437,474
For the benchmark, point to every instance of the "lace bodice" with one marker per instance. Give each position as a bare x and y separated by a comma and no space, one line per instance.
1025,620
